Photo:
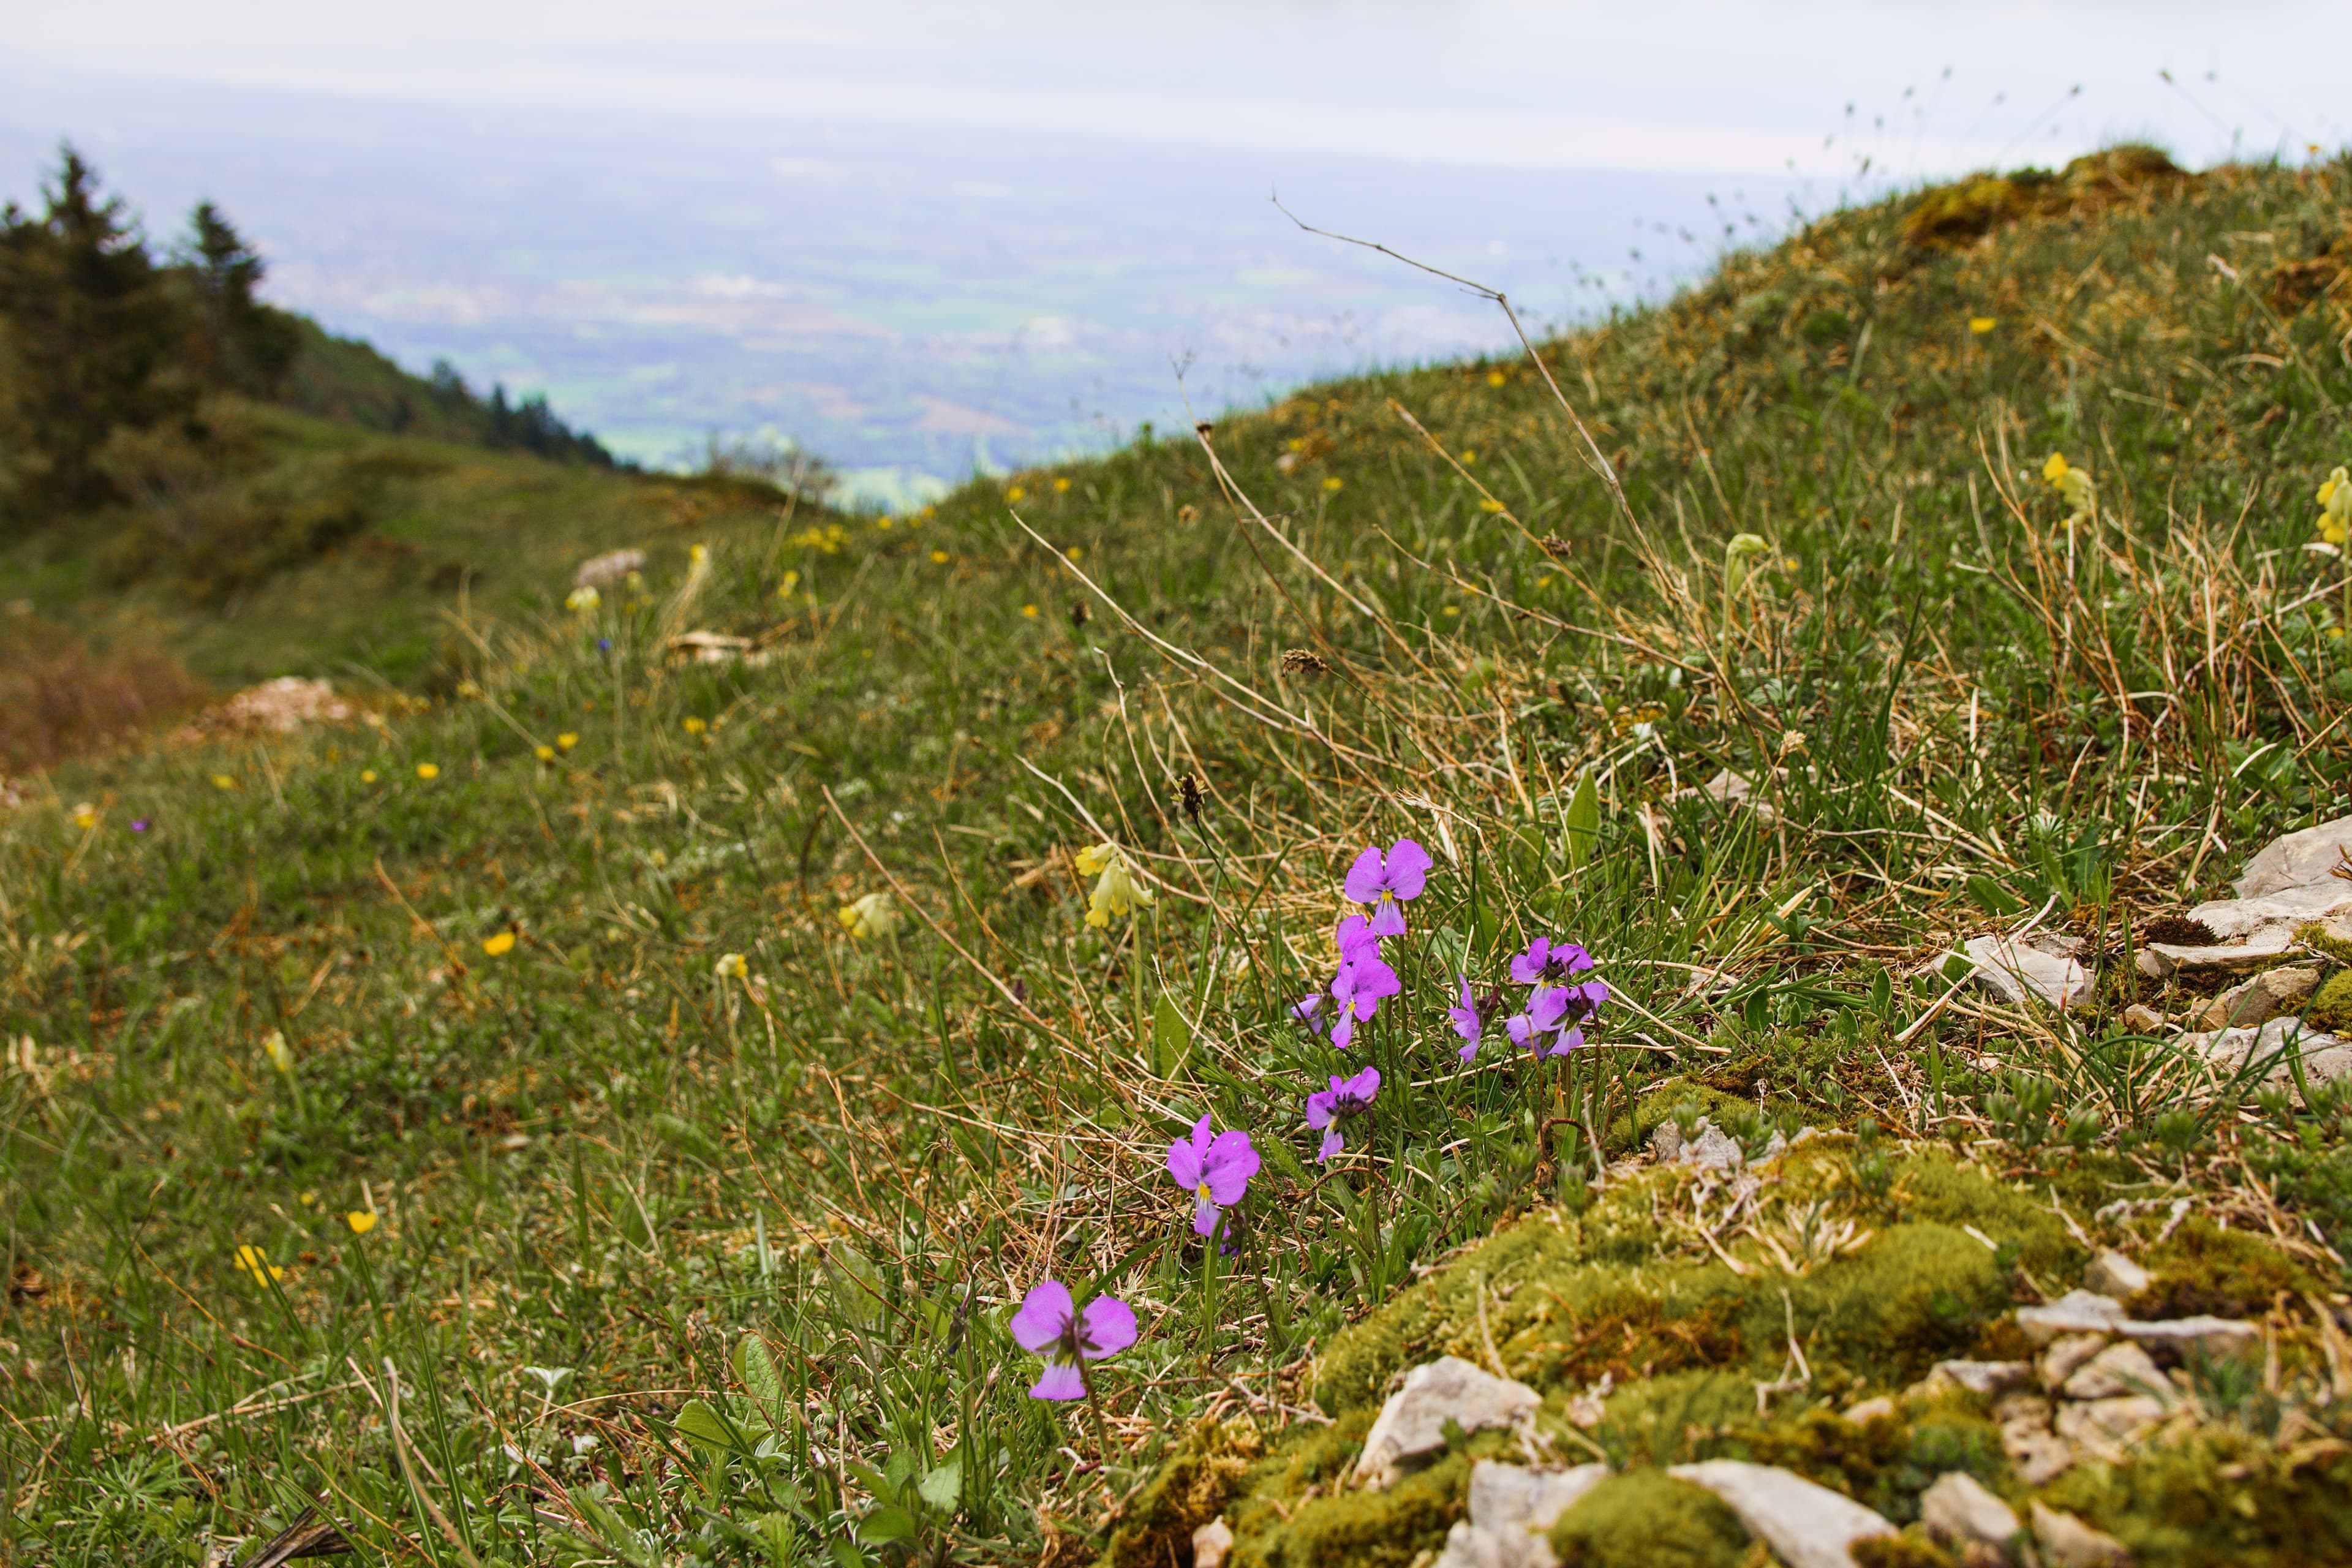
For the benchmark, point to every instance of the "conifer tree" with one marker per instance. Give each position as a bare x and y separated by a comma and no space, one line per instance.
237,340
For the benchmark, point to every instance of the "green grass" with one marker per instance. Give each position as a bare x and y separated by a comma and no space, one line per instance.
763,1234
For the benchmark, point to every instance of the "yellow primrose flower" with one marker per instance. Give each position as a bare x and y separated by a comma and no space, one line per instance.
1469,456
1452,609
583,599
1495,378
1117,891
2072,484
1981,325
544,753
85,815
869,916
273,1045
1016,495
731,967
1061,485
222,781
254,1261
1074,552
938,557
698,554
1030,611
784,589
695,726
367,775
886,521
498,944
1332,484
2335,498
428,770
566,740
361,1221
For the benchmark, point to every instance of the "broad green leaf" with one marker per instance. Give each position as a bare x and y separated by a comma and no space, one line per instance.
614,1530
943,1485
757,1368
888,1523
1171,1038
1583,824
1991,897
706,1429
857,1285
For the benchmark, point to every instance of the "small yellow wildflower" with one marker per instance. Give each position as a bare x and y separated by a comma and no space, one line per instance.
885,521
583,599
1452,609
695,726
784,589
2072,484
273,1045
85,815
498,944
367,775
869,916
1332,484
428,770
310,1196
1489,503
1074,552
938,557
361,1221
1981,325
222,781
2335,498
1469,457
1061,485
544,752
1016,495
566,740
1030,611
698,554
1117,891
731,967
252,1260
1495,378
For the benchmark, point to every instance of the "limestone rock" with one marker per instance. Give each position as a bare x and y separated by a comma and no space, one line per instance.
1987,1378
2067,1542
1708,1147
1959,1510
1510,1508
2065,1354
1806,1526
2290,882
1413,1420
1868,1410
2075,1312
612,566
2038,1455
2014,971
2113,1274
2260,999
2143,1019
2109,1423
2296,860
2122,1368
2211,1336
2326,1058
1210,1543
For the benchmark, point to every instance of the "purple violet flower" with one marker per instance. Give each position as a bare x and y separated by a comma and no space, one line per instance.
1050,1324
138,824
1328,1110
1469,1021
1358,988
1356,939
1305,1009
1558,1011
1385,882
1217,1170
1546,960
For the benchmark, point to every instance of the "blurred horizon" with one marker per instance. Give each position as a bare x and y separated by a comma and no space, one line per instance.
941,240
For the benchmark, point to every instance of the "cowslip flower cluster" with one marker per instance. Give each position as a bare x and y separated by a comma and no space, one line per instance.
2072,484
871,916
1117,890
2335,498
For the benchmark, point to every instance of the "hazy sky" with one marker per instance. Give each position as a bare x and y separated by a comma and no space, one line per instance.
924,236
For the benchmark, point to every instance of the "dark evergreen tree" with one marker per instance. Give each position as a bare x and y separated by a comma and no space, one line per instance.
237,340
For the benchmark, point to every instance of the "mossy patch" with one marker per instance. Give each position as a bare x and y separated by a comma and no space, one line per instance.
2220,1499
1958,212
1646,1519
1188,1492
2229,1273
2331,1006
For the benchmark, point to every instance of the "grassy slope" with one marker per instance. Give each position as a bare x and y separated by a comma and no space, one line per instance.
591,1153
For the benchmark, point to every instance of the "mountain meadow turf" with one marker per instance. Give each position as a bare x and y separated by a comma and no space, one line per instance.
484,1121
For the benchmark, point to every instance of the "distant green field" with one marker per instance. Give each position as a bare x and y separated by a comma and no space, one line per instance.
665,1079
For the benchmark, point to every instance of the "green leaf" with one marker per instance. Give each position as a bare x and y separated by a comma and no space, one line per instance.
688,1138
942,1487
1583,824
885,1523
706,1429
1171,1038
614,1530
757,1368
848,1556
1991,897
857,1285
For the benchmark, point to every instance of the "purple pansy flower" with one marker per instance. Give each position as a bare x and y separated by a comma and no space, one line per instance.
1305,1009
1384,881
1329,1110
1546,960
1469,1021
1558,1011
139,825
1357,940
1050,1324
1358,988
1217,1170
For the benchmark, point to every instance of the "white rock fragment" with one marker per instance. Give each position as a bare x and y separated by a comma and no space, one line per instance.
612,566
2067,1353
1863,1412
1959,1510
2291,881
2109,1423
1806,1526
2067,1542
2326,1058
1708,1147
2143,1019
2257,1001
2075,1312
2120,1368
1210,1543
1987,1378
2207,1335
2013,971
1413,1420
2159,959
2113,1274
1510,1510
